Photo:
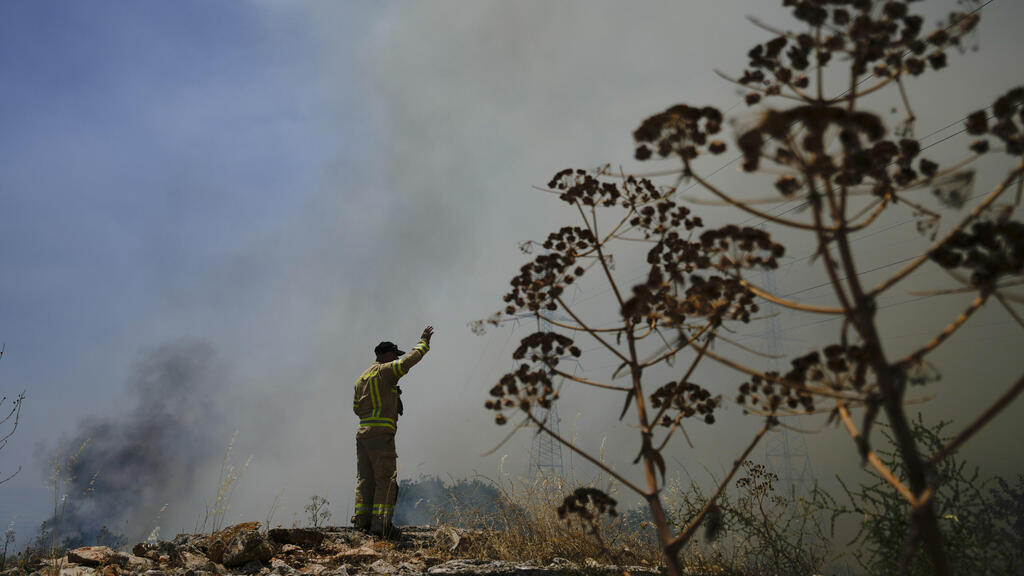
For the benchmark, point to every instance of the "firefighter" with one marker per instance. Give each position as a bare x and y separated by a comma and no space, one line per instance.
378,403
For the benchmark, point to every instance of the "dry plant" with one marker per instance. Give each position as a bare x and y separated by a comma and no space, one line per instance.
275,506
841,160
11,419
318,510
8,538
527,523
62,477
755,529
215,512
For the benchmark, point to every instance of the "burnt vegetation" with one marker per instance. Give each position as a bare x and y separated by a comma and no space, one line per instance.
848,167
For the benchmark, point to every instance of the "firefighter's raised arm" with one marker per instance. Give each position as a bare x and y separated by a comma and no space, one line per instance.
402,366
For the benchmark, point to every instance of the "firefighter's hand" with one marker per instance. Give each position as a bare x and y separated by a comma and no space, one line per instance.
427,333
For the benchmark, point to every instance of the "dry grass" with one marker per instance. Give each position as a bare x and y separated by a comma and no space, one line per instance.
524,525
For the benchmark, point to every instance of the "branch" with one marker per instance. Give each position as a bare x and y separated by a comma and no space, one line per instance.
990,413
554,322
1016,173
765,91
588,457
689,372
871,457
676,425
736,203
946,332
11,476
507,437
820,391
600,253
789,303
16,413
568,376
854,96
670,353
687,533
830,266
1010,309
762,200
965,290
592,331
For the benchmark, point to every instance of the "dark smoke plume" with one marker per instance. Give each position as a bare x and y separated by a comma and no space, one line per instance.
146,456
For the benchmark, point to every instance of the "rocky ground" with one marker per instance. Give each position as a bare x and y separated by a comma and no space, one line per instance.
246,549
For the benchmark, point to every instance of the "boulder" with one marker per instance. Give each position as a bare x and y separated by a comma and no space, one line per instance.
301,537
96,556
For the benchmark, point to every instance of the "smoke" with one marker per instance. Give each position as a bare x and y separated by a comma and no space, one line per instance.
128,466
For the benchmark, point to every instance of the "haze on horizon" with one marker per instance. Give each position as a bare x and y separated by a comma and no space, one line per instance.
211,212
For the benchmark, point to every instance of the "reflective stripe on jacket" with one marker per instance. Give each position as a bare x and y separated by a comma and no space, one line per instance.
375,401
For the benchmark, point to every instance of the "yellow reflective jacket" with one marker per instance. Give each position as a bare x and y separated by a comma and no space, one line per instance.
376,392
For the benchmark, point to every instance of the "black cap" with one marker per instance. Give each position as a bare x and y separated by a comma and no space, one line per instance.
385,347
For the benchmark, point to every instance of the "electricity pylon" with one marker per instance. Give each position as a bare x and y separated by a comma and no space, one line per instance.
785,453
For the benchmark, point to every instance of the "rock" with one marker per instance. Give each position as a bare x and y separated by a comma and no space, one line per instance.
357,555
54,562
302,537
431,561
137,564
253,567
192,561
414,567
76,571
238,545
480,567
96,556
281,567
215,551
247,547
288,549
381,567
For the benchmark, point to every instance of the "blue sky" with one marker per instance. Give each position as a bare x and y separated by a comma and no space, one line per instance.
292,182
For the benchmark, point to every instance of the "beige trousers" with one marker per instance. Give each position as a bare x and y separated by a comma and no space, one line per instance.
376,477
